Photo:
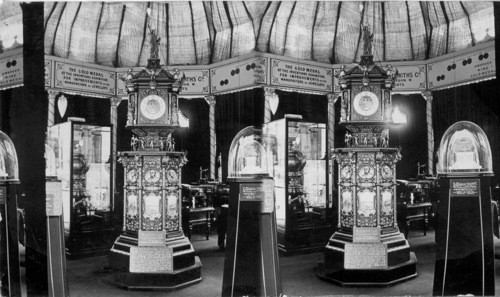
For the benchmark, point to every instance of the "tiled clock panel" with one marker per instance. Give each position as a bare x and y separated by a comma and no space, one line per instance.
366,188
152,190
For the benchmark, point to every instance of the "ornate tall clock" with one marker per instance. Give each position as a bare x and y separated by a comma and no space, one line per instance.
152,245
367,248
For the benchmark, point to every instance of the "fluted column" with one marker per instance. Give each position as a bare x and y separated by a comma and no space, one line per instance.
430,132
52,107
114,101
268,93
213,140
332,98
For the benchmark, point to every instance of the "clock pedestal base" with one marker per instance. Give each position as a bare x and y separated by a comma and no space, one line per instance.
372,263
186,267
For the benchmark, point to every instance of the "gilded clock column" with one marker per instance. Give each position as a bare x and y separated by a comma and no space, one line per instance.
367,248
152,252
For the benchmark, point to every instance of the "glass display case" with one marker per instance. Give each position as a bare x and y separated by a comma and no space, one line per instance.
464,148
8,159
297,152
247,155
82,156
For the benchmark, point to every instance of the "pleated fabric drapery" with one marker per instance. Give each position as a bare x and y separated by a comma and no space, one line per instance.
116,34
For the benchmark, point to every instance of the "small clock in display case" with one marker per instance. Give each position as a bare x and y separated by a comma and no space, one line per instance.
366,172
386,172
152,176
172,176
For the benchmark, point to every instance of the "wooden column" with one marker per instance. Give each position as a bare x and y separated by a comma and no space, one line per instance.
52,107
268,93
332,98
114,101
430,132
213,140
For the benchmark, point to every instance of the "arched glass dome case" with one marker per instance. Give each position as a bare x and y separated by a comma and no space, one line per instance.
9,167
247,155
464,149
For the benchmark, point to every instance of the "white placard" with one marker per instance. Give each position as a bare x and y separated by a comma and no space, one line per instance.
301,76
238,75
11,71
84,79
196,82
151,259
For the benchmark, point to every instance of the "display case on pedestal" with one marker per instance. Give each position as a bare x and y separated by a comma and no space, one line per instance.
10,273
297,154
465,263
367,249
81,153
152,251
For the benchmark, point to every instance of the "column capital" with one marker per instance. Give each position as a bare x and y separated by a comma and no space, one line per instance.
210,100
269,91
53,93
427,94
115,101
332,97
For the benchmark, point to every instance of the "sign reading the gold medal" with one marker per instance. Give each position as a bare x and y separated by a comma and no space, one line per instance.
301,76
11,71
84,79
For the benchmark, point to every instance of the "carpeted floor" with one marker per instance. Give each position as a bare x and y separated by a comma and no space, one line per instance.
298,274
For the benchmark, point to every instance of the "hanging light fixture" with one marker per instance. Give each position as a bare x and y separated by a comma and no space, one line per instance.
274,101
398,117
183,120
62,104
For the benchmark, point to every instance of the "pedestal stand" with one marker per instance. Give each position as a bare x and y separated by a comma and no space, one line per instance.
152,253
251,267
464,238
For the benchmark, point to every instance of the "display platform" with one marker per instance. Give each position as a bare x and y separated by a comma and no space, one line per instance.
370,277
158,281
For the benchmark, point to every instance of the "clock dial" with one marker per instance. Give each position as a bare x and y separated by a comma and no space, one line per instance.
386,171
132,176
366,172
346,172
172,176
366,103
153,107
152,176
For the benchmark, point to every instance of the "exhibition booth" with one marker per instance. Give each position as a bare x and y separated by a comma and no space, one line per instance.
261,173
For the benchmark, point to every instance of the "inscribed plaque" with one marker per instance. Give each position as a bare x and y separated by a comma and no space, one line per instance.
53,199
152,238
366,234
365,256
3,192
151,259
464,187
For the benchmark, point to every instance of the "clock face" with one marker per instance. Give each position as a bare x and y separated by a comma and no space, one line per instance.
172,176
386,171
366,103
132,175
152,107
346,172
152,176
366,172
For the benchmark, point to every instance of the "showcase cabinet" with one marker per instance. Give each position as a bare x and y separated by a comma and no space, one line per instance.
297,151
82,155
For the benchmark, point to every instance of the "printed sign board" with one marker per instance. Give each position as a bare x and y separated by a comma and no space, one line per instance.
11,71
301,76
238,75
84,79
464,187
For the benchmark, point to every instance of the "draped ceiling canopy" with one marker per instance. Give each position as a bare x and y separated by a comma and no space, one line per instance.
115,34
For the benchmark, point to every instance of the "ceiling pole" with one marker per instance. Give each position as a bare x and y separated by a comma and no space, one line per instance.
213,140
